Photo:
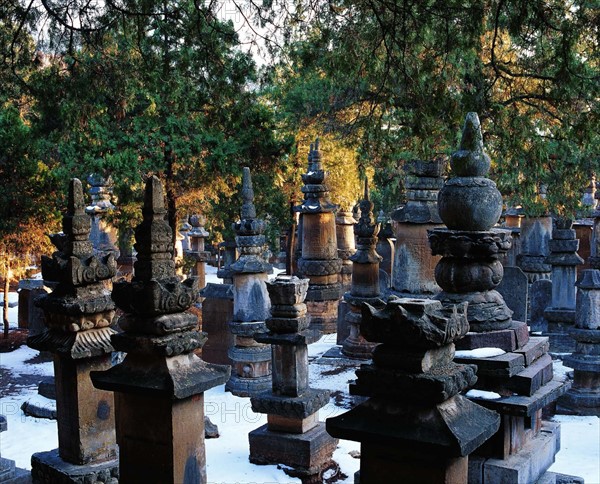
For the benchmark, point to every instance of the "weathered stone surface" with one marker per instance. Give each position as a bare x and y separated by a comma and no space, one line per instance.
541,298
49,468
298,407
217,312
514,289
506,365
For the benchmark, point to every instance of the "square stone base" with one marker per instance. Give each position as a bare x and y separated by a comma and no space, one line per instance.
526,466
49,468
308,453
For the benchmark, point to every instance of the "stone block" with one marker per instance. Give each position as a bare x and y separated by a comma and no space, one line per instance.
541,298
506,365
343,328
299,407
536,347
279,423
527,382
514,289
47,388
290,369
49,468
306,453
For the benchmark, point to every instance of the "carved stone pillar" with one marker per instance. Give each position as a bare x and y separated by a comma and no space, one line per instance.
78,314
196,251
159,387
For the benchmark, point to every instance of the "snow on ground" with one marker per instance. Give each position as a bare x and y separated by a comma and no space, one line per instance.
227,457
480,353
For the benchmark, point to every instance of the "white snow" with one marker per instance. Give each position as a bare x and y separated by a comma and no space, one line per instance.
480,353
483,394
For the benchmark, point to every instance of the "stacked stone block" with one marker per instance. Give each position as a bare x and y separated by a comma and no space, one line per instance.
293,435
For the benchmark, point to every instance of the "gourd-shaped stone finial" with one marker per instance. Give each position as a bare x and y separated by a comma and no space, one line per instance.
469,201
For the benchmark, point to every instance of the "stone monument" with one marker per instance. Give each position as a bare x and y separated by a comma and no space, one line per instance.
251,360
515,368
160,385
293,435
365,280
102,235
78,314
563,258
413,273
196,251
319,261
415,427
584,396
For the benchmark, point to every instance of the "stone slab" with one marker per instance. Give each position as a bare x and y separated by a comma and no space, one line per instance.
527,382
526,466
293,407
343,328
536,347
307,454
506,365
334,357
506,339
540,299
514,290
557,478
527,405
47,388
49,468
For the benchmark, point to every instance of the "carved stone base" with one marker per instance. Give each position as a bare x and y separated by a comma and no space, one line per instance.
308,454
246,387
49,468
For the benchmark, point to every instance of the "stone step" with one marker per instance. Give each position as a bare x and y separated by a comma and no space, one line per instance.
536,347
527,382
502,366
525,405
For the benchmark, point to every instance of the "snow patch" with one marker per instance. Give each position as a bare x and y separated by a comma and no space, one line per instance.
483,394
480,353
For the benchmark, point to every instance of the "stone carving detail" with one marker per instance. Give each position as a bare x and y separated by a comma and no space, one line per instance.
469,206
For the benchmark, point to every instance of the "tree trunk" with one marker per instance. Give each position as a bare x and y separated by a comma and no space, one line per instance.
5,308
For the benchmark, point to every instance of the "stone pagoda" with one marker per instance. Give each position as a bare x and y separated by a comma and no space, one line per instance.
511,365
161,383
102,235
413,273
78,314
319,261
293,435
251,361
365,280
563,258
595,242
197,235
415,427
583,398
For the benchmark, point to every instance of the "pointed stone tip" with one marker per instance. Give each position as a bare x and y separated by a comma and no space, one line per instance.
76,202
317,142
367,188
154,198
472,139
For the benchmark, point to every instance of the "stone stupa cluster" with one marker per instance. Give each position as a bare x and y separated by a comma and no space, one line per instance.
450,386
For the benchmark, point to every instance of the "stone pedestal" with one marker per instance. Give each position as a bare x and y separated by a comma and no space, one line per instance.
159,386
415,427
584,396
319,261
519,373
78,314
414,265
251,360
564,260
293,435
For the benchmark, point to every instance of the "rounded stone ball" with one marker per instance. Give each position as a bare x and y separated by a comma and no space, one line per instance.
470,203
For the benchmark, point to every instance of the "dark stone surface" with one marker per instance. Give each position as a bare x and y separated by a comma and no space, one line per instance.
526,382
541,298
47,388
506,365
211,431
38,411
49,468
298,407
452,428
514,290
3,424
536,347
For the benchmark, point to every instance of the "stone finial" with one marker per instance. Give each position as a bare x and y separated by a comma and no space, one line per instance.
248,209
76,223
471,159
366,226
316,192
469,201
155,288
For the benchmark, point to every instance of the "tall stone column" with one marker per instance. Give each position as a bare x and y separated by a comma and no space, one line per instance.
159,387
78,315
564,261
251,360
414,264
319,261
583,398
197,252
415,427
519,370
365,280
344,224
293,435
